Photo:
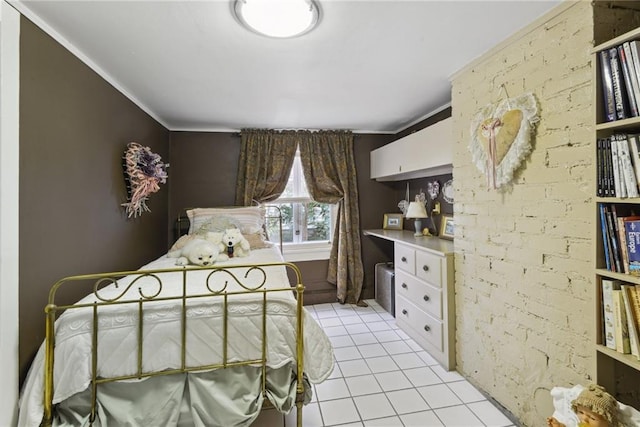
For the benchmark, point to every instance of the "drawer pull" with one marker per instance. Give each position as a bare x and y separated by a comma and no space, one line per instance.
404,312
404,259
427,328
426,298
404,285
425,267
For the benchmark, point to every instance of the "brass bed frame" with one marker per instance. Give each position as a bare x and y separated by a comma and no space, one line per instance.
146,296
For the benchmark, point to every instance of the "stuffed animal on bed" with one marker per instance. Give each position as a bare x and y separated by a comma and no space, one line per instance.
236,244
198,251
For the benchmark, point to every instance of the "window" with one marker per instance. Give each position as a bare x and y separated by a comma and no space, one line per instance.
307,226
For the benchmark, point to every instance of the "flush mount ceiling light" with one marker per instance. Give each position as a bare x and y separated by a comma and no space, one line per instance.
278,18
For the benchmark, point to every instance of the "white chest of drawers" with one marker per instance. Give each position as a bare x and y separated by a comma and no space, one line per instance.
424,287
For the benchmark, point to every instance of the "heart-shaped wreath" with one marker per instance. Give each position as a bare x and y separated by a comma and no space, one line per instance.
501,137
144,172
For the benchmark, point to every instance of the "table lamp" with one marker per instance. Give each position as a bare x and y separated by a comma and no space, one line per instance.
417,211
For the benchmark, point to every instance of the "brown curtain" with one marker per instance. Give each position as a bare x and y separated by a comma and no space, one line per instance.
330,173
266,157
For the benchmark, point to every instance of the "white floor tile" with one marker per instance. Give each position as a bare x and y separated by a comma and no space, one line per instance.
366,338
339,411
458,416
407,401
393,325
310,416
489,414
334,331
386,316
356,424
363,384
332,389
466,392
384,336
371,317
446,376
396,347
364,310
357,328
346,353
336,373
374,406
439,396
430,361
323,307
330,321
342,341
384,422
372,350
353,368
323,314
351,320
394,380
421,419
379,326
408,360
382,364
422,376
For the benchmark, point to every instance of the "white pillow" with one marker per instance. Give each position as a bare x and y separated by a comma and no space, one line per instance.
249,218
562,398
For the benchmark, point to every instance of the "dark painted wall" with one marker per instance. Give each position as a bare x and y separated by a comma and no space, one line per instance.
74,128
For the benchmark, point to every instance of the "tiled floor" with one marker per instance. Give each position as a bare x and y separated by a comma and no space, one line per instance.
383,378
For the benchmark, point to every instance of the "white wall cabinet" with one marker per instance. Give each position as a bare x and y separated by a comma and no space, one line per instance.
427,152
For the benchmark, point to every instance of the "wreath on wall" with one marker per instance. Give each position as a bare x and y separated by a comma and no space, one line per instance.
501,136
144,171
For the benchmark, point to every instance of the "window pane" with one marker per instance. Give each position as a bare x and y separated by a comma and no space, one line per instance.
273,227
318,221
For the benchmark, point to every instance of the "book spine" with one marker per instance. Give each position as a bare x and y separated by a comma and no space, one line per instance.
626,75
607,86
633,72
605,237
613,237
635,155
635,302
632,231
624,255
607,314
631,185
609,168
631,322
619,91
617,174
600,168
620,321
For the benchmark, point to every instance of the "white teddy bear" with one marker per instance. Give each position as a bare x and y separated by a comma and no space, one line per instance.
235,243
198,251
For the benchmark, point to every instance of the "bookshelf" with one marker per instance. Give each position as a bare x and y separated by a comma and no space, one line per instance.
619,373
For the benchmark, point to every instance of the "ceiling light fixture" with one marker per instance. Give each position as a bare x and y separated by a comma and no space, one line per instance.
278,18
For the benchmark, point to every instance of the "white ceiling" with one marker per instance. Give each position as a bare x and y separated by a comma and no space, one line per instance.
369,66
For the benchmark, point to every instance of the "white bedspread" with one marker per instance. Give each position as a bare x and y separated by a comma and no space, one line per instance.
118,329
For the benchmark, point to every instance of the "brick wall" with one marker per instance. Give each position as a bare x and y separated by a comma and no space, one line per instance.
524,254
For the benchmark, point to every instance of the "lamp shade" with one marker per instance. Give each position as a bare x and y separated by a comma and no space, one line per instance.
416,210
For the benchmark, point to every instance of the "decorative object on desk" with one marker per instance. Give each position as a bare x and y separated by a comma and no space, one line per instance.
143,173
447,191
392,221
447,227
501,137
404,204
433,189
417,211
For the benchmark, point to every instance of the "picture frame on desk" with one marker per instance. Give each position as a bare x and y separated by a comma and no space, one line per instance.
392,221
447,227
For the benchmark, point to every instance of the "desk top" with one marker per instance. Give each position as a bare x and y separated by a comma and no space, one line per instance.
432,244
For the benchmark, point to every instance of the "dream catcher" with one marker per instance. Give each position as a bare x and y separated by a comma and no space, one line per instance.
144,172
501,137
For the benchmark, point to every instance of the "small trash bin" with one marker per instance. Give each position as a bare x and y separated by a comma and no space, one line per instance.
385,286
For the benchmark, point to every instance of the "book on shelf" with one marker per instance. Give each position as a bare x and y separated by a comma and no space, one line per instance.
626,77
618,178
632,234
632,325
620,323
628,174
634,72
605,236
607,86
635,302
632,139
622,239
600,168
614,250
608,339
619,90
